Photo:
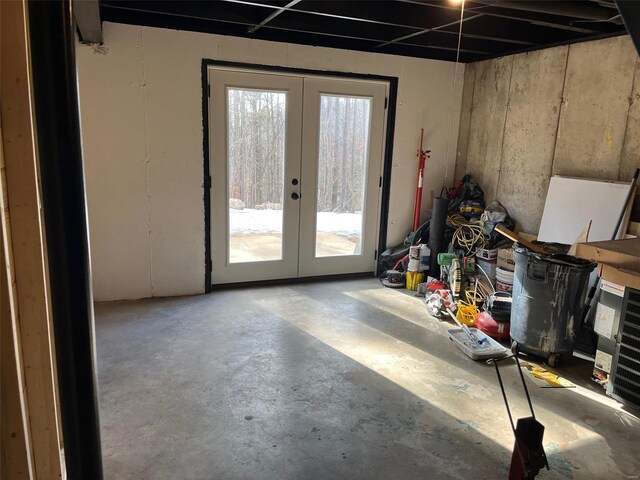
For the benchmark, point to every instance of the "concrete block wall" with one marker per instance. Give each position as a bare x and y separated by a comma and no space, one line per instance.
141,114
569,110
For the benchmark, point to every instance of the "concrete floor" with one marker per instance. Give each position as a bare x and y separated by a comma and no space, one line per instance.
327,381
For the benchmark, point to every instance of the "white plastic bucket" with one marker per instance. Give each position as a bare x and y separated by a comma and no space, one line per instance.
504,276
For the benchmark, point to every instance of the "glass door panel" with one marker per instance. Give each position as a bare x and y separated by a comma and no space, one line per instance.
295,166
343,150
255,126
256,121
341,165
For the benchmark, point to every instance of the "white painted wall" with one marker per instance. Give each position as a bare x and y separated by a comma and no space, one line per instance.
141,111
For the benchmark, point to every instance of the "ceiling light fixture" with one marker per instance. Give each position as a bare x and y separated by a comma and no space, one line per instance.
457,2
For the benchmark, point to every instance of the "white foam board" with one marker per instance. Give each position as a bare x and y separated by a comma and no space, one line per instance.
572,202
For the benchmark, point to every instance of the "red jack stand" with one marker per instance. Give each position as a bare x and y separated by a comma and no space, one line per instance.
528,456
422,159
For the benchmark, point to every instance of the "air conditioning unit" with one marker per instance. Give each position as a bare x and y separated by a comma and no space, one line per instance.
624,382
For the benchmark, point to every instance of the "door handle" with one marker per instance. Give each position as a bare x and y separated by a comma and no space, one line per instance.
295,196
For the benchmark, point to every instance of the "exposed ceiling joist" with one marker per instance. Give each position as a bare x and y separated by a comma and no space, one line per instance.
373,41
427,30
583,10
273,15
493,9
370,11
416,28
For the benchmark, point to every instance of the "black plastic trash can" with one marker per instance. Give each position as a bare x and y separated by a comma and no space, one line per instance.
548,300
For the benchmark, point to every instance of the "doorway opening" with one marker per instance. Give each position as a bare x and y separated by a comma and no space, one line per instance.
297,169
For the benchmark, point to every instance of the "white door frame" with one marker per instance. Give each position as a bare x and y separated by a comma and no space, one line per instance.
223,270
365,259
214,145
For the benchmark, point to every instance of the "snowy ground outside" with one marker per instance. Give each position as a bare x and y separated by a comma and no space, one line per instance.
263,221
256,234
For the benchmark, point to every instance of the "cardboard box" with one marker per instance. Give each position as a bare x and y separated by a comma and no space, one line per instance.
619,276
485,254
623,254
505,259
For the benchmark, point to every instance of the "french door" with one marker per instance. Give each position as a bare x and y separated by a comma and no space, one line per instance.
295,165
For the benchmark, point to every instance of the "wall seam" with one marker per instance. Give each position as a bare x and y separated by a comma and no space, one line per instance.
504,127
146,159
626,126
555,138
468,129
449,125
473,110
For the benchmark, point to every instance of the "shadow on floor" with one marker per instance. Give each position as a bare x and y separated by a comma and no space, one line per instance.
308,381
188,394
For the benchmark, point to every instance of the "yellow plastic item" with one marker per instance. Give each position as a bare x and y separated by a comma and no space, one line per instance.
413,280
467,313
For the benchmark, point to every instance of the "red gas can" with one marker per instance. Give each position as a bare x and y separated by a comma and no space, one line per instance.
496,330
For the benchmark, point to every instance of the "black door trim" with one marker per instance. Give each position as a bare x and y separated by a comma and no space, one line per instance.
55,96
387,158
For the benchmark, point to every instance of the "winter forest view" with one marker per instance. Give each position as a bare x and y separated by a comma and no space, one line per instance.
256,157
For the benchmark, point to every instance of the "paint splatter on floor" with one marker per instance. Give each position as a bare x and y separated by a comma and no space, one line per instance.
559,462
469,424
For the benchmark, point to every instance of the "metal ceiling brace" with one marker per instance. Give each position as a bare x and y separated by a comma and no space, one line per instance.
273,15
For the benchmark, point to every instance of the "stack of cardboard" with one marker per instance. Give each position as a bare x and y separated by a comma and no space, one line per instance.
618,260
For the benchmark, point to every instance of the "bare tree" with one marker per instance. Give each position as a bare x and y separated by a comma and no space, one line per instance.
256,123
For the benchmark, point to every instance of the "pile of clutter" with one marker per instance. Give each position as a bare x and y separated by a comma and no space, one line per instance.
458,262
